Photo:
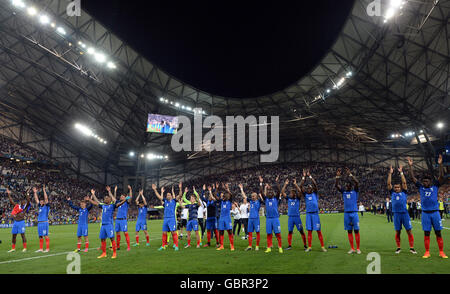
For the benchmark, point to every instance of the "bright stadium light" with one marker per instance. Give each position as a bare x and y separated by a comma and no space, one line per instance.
18,3
440,125
131,154
61,30
31,11
111,65
99,57
44,19
91,50
84,130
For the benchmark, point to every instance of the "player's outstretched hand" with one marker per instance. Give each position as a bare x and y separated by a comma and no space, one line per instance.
240,186
153,186
391,170
261,179
410,161
92,191
286,182
186,189
338,172
34,190
400,169
108,188
68,198
440,159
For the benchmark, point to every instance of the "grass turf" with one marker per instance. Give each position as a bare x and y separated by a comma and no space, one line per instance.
376,236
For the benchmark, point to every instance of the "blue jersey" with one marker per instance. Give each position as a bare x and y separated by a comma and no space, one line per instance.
122,211
429,196
142,214
271,207
193,210
169,208
398,201
43,212
312,203
293,207
350,200
107,213
254,208
83,214
225,208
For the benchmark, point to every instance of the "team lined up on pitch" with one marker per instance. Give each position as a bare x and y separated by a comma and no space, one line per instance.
217,199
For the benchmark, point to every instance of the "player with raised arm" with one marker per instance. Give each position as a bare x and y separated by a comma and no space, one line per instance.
253,219
225,216
428,191
401,216
43,226
107,229
312,209
169,223
193,204
83,222
141,223
294,219
211,220
351,217
122,216
18,214
271,201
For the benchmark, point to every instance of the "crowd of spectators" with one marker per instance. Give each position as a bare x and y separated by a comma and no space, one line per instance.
21,175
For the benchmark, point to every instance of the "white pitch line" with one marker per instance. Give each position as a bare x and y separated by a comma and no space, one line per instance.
36,257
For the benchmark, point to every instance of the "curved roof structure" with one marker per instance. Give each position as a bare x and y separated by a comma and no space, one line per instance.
377,79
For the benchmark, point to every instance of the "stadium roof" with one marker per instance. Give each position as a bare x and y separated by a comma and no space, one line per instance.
378,79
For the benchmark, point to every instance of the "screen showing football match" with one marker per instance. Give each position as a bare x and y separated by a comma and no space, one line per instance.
163,124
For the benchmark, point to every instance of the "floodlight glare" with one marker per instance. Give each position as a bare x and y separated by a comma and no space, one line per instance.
111,65
99,57
44,19
440,125
31,11
132,154
61,30
18,3
91,50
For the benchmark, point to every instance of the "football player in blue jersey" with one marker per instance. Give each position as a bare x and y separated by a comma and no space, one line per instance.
83,222
225,200
43,226
141,223
253,220
18,214
294,219
169,224
401,216
122,216
271,201
351,217
107,229
312,208
428,190
192,205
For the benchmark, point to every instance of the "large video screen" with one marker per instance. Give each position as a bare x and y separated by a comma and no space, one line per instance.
163,124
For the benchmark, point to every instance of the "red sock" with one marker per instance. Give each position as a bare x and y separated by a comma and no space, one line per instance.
231,237
217,236
357,240
440,242
269,240
319,234
189,242
118,239
175,238
24,245
86,245
78,246
397,239
411,240
290,239
164,239
113,243
13,246
127,238
309,238
137,239
147,238
258,238
250,239
303,239
208,236
350,240
221,239
41,244
47,243
198,242
103,247
278,239
427,243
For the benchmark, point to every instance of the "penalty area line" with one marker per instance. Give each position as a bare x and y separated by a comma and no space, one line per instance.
36,257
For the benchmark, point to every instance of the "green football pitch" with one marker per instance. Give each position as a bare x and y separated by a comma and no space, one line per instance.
376,236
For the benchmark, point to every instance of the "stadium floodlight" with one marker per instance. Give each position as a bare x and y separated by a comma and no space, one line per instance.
84,130
166,157
131,154
328,90
53,25
142,155
177,104
61,30
105,142
91,50
440,125
18,3
31,11
99,57
349,74
188,108
111,65
44,19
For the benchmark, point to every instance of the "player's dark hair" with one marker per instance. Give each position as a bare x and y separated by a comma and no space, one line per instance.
427,177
